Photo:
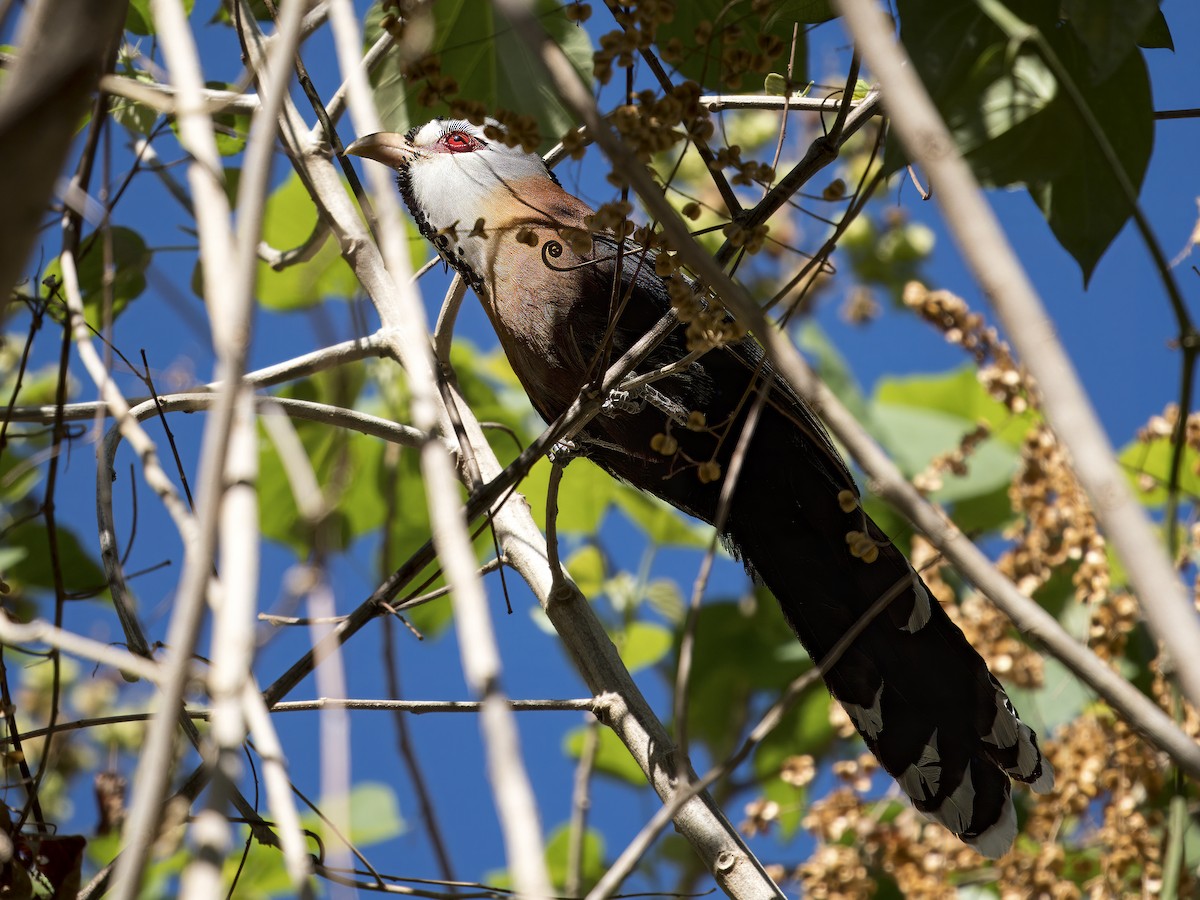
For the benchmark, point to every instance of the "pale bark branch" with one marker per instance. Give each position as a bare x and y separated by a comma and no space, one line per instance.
1169,610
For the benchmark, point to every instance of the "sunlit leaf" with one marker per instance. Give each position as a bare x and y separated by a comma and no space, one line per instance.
138,19
288,223
958,393
612,757
642,644
1148,465
558,855
586,566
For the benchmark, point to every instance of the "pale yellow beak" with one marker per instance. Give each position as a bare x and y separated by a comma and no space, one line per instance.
385,147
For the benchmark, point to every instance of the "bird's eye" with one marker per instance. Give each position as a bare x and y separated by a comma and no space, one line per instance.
458,142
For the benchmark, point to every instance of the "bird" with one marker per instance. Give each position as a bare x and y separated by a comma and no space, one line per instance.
565,298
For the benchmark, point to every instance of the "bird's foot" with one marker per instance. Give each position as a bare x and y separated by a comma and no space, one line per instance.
562,452
632,402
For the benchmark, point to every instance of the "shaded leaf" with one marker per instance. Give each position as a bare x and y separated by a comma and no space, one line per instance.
28,550
1109,29
488,60
1157,35
1015,128
130,258
138,19
740,649
258,9
735,28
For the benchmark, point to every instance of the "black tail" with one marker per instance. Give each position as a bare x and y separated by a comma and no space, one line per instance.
918,693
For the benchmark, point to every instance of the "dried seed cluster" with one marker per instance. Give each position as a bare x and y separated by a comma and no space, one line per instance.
952,461
998,372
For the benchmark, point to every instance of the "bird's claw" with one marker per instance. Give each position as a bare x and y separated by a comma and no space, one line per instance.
562,452
623,402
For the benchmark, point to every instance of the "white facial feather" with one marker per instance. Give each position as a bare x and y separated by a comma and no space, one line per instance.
462,187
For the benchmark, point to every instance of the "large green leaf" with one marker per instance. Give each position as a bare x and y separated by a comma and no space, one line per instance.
129,259
138,19
1018,123
734,26
27,547
348,466
1109,29
919,417
489,61
915,436
558,857
290,218
1149,466
642,644
1083,204
612,757
957,393
740,649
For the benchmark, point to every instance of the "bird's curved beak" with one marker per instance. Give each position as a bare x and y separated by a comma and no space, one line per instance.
385,147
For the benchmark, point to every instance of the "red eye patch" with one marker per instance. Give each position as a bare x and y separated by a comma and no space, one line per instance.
459,142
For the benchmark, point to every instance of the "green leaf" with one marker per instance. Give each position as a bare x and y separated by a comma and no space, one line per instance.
740,649
1148,465
1083,204
1109,29
829,363
258,9
960,394
915,436
1157,35
130,258
33,569
586,566
584,495
612,757
558,856
348,466
230,128
661,524
136,117
735,28
487,58
289,220
1017,125
643,644
138,19
374,814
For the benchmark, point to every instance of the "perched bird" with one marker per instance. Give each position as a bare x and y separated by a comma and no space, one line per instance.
918,693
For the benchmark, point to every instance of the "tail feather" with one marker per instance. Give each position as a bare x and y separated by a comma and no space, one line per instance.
921,697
